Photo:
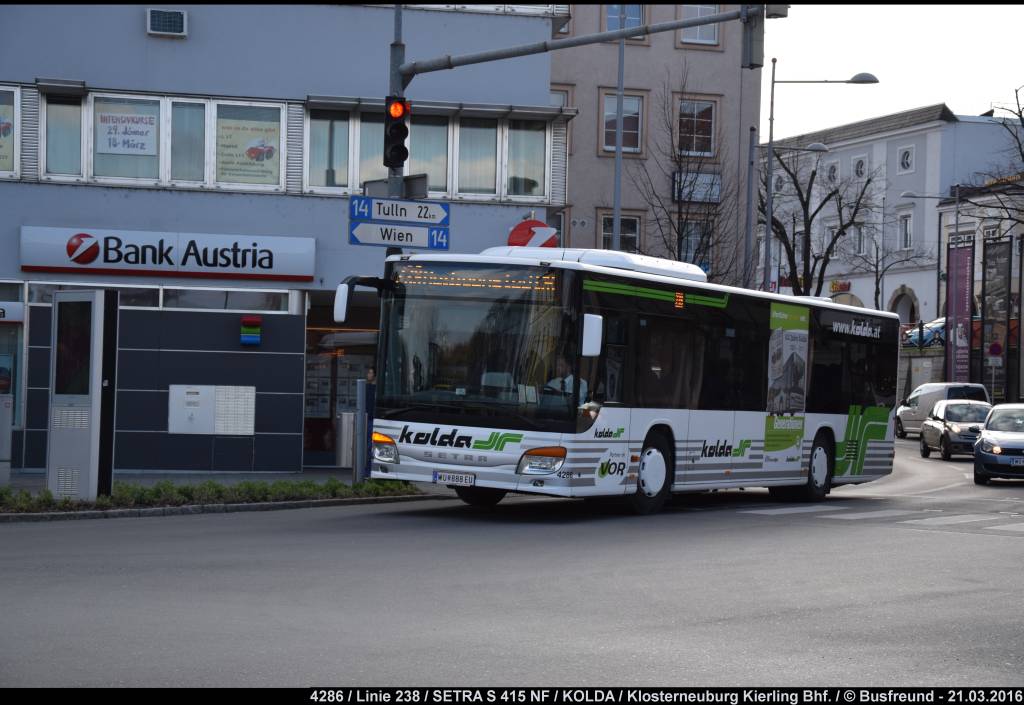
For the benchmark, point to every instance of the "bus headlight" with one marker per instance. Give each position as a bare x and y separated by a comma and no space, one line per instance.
541,461
384,448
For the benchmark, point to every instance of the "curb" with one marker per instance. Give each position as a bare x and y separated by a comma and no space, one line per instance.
209,508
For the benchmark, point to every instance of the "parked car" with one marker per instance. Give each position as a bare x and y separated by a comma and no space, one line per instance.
934,334
999,451
913,410
953,427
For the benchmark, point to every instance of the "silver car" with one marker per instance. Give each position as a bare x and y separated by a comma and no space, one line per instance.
1000,450
953,427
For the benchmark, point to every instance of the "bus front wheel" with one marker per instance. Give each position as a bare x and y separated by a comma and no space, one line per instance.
654,477
480,496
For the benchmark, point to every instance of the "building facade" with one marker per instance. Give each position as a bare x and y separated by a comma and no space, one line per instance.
201,159
688,108
892,255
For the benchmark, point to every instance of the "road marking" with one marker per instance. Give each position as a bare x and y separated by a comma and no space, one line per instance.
955,519
935,489
880,514
795,510
1008,527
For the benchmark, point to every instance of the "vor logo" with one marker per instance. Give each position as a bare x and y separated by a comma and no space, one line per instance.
83,248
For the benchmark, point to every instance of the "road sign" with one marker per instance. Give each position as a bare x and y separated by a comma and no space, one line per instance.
398,211
397,235
995,348
533,233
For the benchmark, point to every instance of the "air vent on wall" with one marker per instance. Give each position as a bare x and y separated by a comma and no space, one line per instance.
167,23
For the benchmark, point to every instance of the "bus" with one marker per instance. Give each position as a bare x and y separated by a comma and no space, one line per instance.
595,373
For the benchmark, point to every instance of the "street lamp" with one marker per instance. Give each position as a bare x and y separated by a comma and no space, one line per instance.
749,239
859,78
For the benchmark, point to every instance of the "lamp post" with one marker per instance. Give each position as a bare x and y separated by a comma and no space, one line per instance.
938,244
813,147
859,79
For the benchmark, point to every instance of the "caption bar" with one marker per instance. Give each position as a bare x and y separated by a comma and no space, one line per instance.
685,696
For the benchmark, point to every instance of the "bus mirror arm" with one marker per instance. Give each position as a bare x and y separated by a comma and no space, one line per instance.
344,292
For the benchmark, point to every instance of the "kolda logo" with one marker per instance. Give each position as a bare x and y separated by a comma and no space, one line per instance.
83,248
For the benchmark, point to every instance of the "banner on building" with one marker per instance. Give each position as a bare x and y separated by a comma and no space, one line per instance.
7,131
995,316
127,126
959,294
248,145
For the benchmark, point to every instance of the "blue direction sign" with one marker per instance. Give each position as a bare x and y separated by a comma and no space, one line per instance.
363,232
391,210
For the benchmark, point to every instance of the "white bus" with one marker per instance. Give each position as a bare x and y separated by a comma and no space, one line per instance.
583,373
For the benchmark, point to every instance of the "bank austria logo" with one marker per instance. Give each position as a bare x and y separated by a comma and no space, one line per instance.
83,248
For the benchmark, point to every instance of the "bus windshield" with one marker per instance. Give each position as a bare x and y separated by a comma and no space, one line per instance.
478,344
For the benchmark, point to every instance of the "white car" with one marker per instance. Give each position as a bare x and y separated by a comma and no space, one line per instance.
912,411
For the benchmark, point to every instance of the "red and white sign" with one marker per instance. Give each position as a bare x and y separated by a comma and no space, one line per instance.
140,253
533,233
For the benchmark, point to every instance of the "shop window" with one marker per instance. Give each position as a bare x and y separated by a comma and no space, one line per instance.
11,364
188,141
148,297
428,153
126,138
64,136
248,144
527,145
478,161
8,132
10,291
226,300
328,148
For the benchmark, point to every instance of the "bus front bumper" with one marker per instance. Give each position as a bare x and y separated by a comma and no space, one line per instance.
558,484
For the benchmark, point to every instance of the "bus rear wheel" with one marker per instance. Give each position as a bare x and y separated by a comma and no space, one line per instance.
819,474
654,477
480,496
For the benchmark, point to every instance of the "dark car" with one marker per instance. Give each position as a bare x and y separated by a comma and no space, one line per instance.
999,452
953,427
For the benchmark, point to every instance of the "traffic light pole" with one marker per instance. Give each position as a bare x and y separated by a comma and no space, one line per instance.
397,88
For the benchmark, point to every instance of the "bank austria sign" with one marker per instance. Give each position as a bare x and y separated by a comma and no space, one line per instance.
139,253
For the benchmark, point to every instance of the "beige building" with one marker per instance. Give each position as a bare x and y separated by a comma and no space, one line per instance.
687,114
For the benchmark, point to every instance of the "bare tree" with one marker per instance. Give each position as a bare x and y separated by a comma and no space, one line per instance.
691,195
868,249
999,191
803,201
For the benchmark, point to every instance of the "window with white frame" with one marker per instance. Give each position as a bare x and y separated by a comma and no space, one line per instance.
371,148
634,17
9,129
906,232
527,165
629,232
858,239
632,123
117,138
860,166
428,149
832,172
696,127
478,156
703,34
905,160
327,152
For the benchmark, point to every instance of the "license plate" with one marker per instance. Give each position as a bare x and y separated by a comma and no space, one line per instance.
1016,461
463,479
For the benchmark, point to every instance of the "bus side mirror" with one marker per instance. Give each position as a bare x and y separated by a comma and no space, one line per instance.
593,332
341,301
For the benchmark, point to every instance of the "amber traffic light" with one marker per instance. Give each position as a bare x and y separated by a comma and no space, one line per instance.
396,130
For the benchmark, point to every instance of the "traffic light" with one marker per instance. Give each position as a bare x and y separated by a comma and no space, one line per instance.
396,129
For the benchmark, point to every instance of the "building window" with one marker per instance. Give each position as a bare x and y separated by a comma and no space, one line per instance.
858,238
906,232
696,127
64,136
231,300
704,34
371,148
561,97
527,145
694,245
9,128
906,160
629,232
860,165
634,17
428,153
327,155
833,173
126,138
188,141
632,120
478,161
248,144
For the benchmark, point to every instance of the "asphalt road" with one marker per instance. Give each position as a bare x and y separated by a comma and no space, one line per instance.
914,580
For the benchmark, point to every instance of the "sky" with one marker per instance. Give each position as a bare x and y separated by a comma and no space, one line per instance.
966,56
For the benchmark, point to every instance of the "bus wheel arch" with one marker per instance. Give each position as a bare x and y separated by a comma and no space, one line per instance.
822,465
656,471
